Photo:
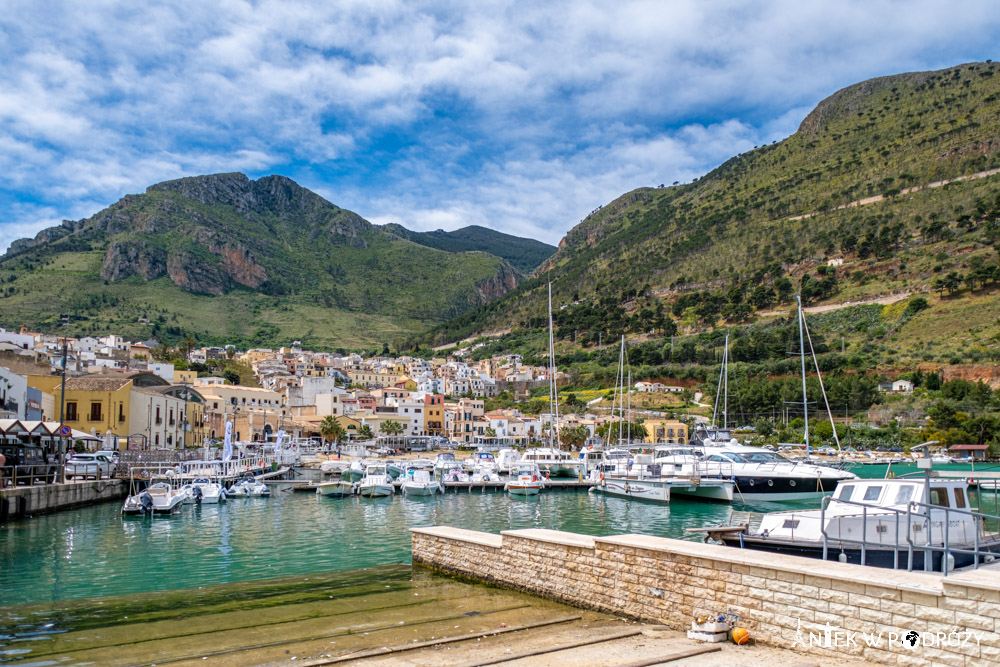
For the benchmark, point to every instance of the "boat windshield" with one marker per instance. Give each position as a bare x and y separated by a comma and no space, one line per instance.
761,457
446,457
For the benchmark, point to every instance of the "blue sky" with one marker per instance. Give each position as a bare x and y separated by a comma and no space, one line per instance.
519,116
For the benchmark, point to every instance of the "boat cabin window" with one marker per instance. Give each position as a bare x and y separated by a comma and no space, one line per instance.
762,457
872,493
939,496
846,491
904,494
959,498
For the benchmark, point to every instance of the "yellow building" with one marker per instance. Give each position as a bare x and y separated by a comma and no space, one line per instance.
185,377
93,404
434,414
666,431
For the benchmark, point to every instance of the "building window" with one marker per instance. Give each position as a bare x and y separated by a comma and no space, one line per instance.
156,440
171,417
159,420
121,412
96,413
71,415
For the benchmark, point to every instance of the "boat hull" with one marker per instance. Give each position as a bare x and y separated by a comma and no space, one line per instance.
376,491
648,490
524,489
876,557
412,489
335,489
782,488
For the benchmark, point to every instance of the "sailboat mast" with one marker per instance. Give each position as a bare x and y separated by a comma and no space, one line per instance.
725,395
621,392
802,356
553,396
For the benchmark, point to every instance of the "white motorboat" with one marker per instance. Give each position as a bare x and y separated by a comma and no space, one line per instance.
484,467
525,479
554,462
938,459
444,460
249,487
882,521
420,483
454,472
158,498
651,481
337,488
204,491
763,475
506,458
376,483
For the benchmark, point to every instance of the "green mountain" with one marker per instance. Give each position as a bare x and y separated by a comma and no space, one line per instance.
523,254
227,259
890,185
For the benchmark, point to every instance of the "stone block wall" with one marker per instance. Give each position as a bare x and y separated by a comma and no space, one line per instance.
824,608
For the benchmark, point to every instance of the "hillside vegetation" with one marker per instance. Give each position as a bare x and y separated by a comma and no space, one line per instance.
523,254
229,260
890,185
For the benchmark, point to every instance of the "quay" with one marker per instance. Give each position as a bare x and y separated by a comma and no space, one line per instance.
782,600
460,487
17,502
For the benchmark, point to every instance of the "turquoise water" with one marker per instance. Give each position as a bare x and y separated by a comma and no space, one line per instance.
94,552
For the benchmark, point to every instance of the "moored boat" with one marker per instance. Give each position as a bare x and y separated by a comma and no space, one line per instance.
376,483
336,488
525,480
420,483
157,498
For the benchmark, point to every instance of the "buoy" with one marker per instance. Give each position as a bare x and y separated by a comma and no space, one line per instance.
739,636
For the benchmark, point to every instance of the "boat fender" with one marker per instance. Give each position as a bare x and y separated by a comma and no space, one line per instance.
626,487
534,478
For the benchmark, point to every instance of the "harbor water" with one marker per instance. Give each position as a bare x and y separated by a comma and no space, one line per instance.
95,552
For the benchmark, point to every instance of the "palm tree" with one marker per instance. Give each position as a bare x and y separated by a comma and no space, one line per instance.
490,433
331,429
390,427
365,432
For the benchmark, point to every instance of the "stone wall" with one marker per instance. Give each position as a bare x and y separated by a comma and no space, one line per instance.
21,501
831,609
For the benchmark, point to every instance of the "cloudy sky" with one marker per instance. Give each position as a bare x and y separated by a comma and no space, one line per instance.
518,116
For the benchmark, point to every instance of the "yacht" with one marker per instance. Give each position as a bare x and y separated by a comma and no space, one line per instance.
420,483
157,498
880,522
646,480
444,460
525,479
376,483
554,462
759,474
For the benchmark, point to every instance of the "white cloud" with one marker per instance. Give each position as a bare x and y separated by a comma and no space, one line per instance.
517,115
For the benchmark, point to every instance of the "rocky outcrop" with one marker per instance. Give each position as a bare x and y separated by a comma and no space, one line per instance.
133,258
194,274
504,280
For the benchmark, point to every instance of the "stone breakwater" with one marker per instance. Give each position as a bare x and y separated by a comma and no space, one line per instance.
824,608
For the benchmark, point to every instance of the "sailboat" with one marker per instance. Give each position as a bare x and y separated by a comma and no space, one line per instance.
525,477
763,475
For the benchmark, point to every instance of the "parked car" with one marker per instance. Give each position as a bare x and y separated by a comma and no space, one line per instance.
89,465
27,464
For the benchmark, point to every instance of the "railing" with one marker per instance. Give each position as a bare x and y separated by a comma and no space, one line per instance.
45,473
917,514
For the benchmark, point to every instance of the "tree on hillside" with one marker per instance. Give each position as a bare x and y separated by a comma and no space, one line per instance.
573,436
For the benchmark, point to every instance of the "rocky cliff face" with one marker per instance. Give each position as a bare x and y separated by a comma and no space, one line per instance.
492,288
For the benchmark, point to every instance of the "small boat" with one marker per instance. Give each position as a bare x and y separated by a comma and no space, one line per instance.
158,498
880,522
483,467
394,469
454,473
354,472
204,491
525,480
420,483
376,483
941,458
337,488
248,487
506,458
444,460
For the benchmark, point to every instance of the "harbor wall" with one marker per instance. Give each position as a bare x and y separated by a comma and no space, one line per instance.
22,501
823,608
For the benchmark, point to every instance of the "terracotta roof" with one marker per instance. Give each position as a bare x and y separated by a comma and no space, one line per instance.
968,448
97,383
